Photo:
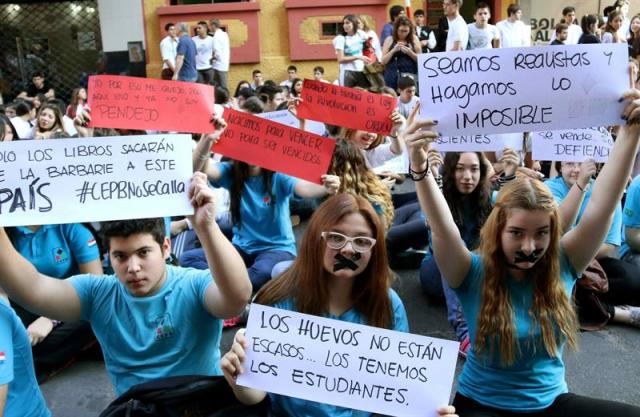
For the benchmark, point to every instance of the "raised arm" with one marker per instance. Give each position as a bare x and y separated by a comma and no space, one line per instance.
582,243
452,256
43,295
570,206
200,156
231,289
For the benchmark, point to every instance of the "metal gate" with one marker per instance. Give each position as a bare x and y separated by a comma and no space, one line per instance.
61,39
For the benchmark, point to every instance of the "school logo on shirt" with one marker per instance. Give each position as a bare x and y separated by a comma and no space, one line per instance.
164,328
3,357
60,255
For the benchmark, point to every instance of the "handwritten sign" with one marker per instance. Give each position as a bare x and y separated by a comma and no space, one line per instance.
286,118
479,143
575,145
513,90
94,179
149,104
397,165
274,146
347,107
346,364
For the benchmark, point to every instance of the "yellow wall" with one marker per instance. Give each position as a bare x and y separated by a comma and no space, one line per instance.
274,47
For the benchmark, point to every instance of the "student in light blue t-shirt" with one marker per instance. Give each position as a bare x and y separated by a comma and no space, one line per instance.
262,230
152,320
572,191
517,287
343,225
19,392
58,251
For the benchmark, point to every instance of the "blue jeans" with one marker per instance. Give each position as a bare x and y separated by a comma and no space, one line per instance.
434,285
259,264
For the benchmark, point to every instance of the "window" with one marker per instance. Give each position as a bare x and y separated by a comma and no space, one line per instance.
330,29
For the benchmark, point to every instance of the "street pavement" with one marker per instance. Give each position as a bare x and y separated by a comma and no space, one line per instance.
606,365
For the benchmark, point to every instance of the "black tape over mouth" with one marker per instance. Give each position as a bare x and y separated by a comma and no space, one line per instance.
344,262
521,257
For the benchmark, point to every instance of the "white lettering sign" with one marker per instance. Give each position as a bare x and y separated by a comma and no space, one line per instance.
346,364
513,90
575,145
94,179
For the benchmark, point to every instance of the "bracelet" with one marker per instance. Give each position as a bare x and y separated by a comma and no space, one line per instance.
580,188
204,157
419,175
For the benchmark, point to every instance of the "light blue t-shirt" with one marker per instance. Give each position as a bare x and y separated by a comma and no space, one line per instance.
56,250
265,224
535,379
631,212
144,338
559,189
283,405
16,368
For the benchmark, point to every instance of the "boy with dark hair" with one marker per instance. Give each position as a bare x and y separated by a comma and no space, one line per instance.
574,31
387,29
482,35
318,74
292,74
406,96
561,34
258,81
425,35
152,320
38,85
513,32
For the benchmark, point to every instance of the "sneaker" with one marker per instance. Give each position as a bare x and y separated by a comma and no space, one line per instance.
465,344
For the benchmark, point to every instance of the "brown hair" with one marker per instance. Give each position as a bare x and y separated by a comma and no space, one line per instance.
349,165
551,308
306,280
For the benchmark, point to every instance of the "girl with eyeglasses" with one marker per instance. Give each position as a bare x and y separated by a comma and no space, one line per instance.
341,273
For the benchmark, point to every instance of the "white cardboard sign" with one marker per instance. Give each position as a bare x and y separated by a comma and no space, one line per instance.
479,143
511,90
94,179
346,364
575,145
286,118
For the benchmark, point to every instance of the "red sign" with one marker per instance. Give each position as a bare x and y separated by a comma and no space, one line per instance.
150,104
275,146
346,107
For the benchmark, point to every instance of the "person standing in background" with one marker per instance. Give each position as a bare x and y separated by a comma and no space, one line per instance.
221,54
168,51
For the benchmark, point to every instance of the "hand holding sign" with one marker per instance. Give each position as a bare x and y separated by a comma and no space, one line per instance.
348,107
418,138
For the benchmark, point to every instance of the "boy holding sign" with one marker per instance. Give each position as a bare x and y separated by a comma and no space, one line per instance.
342,273
152,320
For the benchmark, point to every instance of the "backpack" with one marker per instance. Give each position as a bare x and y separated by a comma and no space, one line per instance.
183,396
